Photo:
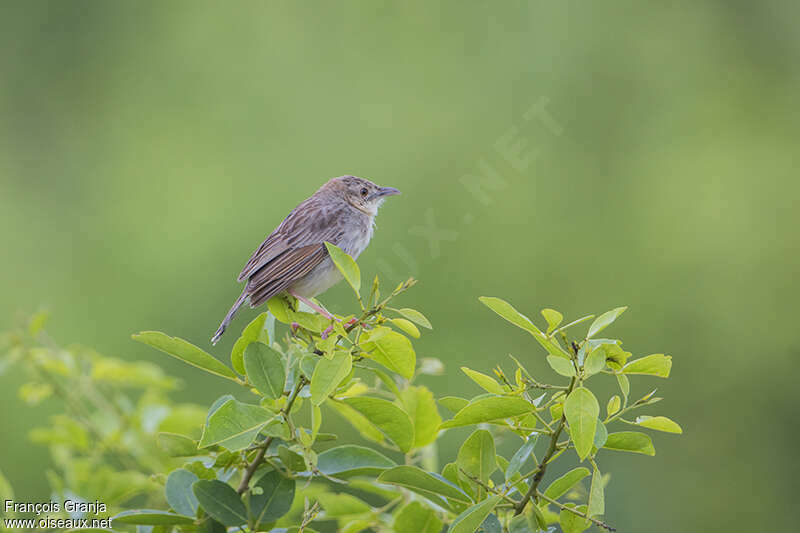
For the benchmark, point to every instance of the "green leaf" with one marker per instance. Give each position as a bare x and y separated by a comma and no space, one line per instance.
521,456
37,322
387,417
310,321
523,523
340,505
346,265
391,349
613,405
572,523
358,421
477,457
630,441
562,366
600,435
485,382
423,483
352,460
206,526
176,445
453,403
595,362
387,380
556,410
553,318
415,316
581,410
657,365
507,311
491,524
416,518
604,320
275,498
597,503
265,370
308,362
316,421
221,502
184,351
615,356
147,517
219,402
235,425
487,409
421,408
280,309
470,520
659,423
624,384
253,332
406,325
291,459
178,491
561,486
328,374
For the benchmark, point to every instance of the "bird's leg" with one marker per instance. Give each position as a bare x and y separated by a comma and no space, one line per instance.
318,308
322,311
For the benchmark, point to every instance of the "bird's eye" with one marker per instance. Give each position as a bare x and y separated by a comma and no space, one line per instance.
364,191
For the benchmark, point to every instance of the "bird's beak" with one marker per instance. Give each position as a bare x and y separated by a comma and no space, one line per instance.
385,191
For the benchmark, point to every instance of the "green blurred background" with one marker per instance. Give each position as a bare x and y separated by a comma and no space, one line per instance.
146,148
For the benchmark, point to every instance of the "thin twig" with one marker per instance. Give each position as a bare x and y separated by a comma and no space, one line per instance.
537,478
545,386
259,458
572,510
487,487
542,420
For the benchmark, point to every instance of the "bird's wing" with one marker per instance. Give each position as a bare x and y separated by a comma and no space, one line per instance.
290,252
283,271
297,230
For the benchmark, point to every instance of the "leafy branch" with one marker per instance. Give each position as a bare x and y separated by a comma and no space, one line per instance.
262,449
542,467
275,440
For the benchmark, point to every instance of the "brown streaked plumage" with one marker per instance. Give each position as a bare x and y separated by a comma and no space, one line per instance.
294,260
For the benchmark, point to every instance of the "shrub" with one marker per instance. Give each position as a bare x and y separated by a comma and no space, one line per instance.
265,463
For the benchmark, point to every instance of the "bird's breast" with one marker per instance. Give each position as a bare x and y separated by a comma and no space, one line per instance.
355,239
321,278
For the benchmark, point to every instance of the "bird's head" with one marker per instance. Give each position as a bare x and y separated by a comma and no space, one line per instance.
361,193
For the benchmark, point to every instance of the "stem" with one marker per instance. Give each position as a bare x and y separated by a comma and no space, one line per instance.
259,458
537,478
544,386
563,507
540,419
487,487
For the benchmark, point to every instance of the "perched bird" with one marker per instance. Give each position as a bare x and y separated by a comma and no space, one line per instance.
293,259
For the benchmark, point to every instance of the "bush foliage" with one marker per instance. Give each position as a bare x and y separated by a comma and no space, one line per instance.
262,461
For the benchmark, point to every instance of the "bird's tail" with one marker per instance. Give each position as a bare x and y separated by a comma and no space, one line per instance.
227,320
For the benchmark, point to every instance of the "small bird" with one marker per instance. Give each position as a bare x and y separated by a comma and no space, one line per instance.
294,260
